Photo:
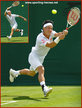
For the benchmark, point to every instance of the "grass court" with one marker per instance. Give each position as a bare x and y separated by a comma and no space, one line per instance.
32,96
14,40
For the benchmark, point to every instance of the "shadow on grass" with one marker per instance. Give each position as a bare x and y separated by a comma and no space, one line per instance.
25,98
14,97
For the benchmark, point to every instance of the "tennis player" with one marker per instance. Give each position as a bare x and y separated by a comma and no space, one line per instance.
44,43
11,18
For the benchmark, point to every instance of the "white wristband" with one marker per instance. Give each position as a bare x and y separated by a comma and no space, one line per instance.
57,40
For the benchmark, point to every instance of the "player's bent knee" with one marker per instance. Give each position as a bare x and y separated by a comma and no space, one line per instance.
32,73
40,69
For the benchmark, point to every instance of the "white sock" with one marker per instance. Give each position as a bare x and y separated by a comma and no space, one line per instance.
42,83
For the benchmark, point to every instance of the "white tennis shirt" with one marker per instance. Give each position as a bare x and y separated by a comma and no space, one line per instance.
11,19
40,48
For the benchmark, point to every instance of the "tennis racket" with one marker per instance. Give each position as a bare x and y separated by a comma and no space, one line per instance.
73,17
16,3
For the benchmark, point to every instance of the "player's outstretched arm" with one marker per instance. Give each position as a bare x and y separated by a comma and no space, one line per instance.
61,36
57,34
60,33
51,44
23,18
8,8
5,13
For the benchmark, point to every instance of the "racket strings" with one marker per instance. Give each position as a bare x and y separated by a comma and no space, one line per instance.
16,3
73,17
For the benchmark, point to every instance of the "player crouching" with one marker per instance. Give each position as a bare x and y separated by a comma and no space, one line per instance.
44,43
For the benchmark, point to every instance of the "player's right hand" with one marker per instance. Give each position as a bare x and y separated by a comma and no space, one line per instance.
65,32
62,36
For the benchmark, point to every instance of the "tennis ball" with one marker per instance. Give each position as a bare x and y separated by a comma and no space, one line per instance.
54,11
22,5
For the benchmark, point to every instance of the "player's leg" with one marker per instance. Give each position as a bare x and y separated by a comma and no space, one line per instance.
14,74
13,28
12,31
36,65
27,72
41,79
40,70
19,30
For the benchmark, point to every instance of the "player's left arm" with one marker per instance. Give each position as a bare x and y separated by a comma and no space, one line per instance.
5,13
23,18
61,36
60,33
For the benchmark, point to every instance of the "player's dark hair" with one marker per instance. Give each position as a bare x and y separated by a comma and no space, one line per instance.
47,21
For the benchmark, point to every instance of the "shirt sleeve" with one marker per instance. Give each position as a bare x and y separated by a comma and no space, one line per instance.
53,33
15,15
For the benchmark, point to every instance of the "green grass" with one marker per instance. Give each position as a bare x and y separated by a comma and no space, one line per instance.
14,40
32,96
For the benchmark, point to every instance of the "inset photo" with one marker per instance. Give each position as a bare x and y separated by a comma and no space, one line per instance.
14,22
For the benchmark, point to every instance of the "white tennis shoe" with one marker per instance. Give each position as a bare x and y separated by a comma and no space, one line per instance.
21,32
12,75
9,37
47,91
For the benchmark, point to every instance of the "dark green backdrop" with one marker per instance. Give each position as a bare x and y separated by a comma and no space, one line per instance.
5,26
62,64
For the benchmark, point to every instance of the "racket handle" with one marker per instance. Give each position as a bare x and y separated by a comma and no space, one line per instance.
67,28
10,6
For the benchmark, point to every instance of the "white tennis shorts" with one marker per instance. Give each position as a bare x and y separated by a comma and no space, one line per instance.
35,61
14,26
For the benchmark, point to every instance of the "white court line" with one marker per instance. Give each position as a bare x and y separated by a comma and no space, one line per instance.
8,102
